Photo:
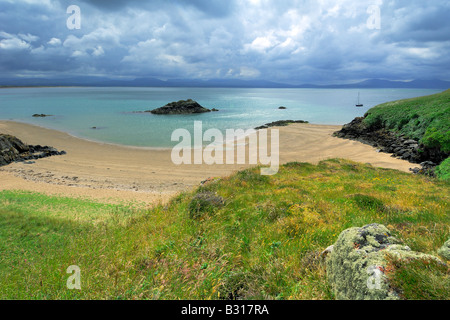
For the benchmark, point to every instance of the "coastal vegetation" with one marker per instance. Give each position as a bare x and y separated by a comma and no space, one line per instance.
425,119
414,129
245,236
443,170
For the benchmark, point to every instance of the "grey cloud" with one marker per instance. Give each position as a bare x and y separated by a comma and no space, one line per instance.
420,23
215,8
288,41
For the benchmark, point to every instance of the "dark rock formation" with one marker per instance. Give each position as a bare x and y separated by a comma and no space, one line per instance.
389,142
214,109
12,149
41,115
282,108
180,107
280,123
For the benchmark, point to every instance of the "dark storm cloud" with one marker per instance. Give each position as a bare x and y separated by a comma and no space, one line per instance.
216,8
288,41
423,22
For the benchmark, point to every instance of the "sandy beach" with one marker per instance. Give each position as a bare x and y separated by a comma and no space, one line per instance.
118,174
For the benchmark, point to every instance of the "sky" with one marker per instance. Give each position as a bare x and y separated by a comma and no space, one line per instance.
295,42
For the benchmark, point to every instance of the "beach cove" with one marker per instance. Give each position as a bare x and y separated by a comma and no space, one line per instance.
122,174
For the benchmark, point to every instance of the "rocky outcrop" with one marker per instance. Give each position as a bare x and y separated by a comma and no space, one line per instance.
280,123
444,251
180,107
398,145
204,203
13,149
357,262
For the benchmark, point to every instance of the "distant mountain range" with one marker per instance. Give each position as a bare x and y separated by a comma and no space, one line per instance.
213,83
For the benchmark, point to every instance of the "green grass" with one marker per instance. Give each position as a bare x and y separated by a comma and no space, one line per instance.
426,119
419,279
443,170
243,237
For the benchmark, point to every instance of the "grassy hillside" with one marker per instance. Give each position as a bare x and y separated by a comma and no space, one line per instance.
443,170
426,119
247,236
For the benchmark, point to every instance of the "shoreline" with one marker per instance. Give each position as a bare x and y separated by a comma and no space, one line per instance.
87,139
265,126
116,173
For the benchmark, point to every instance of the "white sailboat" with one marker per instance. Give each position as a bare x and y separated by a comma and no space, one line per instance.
359,104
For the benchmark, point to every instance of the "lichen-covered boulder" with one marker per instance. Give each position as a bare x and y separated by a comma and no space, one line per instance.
356,265
444,251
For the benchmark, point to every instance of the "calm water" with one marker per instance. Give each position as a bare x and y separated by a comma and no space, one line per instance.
77,110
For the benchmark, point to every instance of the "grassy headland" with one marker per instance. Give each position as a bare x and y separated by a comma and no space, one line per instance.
425,119
246,236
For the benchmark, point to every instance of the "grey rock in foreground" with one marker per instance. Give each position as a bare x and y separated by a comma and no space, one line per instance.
356,263
444,251
181,107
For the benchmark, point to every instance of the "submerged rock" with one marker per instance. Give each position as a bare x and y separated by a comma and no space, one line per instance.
180,107
41,115
357,262
280,123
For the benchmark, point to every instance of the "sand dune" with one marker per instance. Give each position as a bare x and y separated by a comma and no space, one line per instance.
113,173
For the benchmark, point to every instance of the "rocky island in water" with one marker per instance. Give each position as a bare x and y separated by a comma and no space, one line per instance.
181,107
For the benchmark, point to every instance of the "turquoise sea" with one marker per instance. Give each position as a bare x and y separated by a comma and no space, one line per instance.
112,110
